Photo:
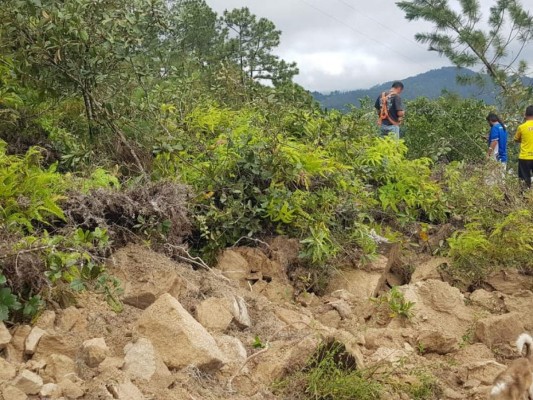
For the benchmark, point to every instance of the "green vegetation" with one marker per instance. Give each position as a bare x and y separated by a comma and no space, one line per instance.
164,122
395,302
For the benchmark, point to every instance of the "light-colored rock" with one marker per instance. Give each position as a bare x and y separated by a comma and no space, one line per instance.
51,390
282,358
294,319
111,363
285,250
330,318
141,362
46,320
428,270
215,313
13,355
94,351
30,345
482,371
58,366
388,355
491,301
7,371
72,319
240,313
177,336
72,387
145,278
5,336
437,306
520,302
126,391
234,352
343,308
15,350
36,365
361,284
503,328
258,262
56,344
233,265
28,382
509,281
12,393
432,341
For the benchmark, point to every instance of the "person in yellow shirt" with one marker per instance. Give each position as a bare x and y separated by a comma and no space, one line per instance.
524,136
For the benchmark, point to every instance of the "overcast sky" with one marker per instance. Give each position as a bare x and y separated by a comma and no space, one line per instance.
347,44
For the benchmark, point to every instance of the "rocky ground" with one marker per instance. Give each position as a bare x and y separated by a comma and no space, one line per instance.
232,332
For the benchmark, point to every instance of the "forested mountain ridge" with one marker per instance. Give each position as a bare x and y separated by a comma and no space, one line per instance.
430,84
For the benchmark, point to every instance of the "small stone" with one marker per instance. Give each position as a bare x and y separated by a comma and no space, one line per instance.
72,389
240,313
5,336
58,366
51,390
7,371
94,351
12,393
28,382
126,391
471,383
139,360
30,345
214,313
46,320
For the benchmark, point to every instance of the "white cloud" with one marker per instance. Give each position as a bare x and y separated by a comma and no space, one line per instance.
347,44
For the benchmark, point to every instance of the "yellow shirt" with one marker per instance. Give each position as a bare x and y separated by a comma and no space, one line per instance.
524,135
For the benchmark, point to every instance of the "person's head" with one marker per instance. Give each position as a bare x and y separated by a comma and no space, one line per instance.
397,86
529,112
492,118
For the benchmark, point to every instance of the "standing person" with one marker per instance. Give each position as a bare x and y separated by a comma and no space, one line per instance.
524,136
390,110
497,139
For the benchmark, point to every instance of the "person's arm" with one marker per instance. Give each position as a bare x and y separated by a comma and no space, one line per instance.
518,136
492,147
399,108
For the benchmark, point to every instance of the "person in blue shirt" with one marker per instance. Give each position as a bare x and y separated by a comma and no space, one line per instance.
497,139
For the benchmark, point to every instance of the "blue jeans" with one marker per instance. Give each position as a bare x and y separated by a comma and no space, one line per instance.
391,130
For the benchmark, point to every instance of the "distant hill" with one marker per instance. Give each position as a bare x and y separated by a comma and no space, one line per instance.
429,84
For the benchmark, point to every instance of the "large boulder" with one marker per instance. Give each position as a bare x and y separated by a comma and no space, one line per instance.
438,306
498,329
177,336
145,275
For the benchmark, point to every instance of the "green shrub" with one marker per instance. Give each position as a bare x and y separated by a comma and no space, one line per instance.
29,194
329,377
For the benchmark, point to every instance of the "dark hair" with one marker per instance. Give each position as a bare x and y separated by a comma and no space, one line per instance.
494,118
397,84
529,111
